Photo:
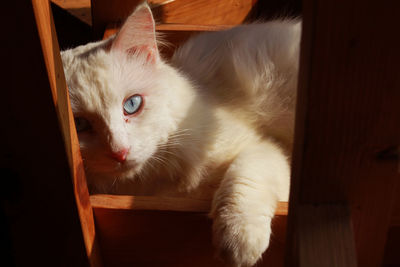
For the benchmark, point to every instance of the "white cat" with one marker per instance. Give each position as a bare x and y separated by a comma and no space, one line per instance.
216,123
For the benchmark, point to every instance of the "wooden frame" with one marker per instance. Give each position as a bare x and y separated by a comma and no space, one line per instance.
52,58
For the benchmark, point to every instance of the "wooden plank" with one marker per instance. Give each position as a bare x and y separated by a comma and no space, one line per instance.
228,12
160,203
172,231
37,203
326,236
149,203
72,4
59,90
168,238
103,13
193,12
347,115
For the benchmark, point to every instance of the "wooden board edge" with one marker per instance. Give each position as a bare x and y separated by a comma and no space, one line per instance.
123,202
52,57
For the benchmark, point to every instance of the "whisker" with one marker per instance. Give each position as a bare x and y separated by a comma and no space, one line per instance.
114,183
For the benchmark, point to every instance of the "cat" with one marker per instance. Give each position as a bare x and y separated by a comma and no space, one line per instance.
216,122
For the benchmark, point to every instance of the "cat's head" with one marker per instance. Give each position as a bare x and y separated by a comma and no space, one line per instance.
125,100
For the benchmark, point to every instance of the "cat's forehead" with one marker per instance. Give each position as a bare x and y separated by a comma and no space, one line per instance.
87,73
100,80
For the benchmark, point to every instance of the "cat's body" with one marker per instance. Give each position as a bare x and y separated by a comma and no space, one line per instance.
220,128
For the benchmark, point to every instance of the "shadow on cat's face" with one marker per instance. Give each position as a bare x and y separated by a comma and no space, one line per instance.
113,142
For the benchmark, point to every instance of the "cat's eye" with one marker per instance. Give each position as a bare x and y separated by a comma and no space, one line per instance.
82,124
133,104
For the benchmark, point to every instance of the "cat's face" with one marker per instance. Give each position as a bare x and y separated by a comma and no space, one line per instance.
123,99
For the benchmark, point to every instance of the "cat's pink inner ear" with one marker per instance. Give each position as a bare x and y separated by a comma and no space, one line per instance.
137,35
149,52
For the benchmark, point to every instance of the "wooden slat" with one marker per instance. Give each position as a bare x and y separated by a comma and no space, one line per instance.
72,4
150,231
148,203
165,231
59,89
230,12
348,113
192,12
160,203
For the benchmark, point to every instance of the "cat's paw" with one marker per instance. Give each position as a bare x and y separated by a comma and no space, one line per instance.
240,240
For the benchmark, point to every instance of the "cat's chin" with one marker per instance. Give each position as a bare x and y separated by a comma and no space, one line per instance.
126,170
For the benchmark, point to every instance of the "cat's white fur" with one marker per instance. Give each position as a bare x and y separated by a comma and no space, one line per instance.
217,121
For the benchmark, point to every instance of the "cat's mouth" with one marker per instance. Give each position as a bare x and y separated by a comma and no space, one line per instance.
124,166
129,166
111,168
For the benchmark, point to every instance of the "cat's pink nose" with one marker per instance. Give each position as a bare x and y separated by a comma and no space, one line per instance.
120,156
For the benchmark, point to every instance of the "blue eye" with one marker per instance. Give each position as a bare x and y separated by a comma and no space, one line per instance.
133,104
82,124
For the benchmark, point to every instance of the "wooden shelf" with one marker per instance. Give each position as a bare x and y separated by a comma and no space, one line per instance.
165,231
118,202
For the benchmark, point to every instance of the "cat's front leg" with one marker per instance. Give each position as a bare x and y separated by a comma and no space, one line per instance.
245,203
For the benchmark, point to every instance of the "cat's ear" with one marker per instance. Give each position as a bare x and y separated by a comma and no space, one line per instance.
137,34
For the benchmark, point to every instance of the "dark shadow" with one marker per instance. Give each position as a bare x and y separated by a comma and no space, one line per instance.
271,9
71,31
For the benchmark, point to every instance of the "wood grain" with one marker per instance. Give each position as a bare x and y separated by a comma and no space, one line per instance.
59,89
171,231
72,4
326,236
160,203
192,12
228,12
149,203
168,238
348,112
